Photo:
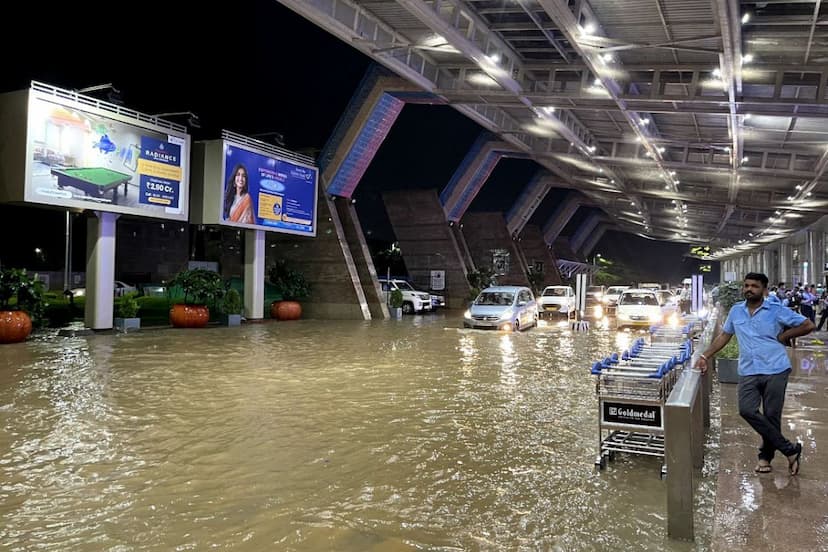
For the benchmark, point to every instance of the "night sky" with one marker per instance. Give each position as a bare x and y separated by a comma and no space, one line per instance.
256,68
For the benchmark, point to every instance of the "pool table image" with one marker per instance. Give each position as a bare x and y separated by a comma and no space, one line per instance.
94,181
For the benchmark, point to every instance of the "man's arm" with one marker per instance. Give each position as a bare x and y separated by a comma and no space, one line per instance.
720,341
805,328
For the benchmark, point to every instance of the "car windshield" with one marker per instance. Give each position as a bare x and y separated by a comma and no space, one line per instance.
404,285
554,292
665,296
615,291
495,298
638,299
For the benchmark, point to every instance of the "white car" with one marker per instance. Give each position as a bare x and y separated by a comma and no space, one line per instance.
413,300
638,308
120,289
556,300
503,308
612,294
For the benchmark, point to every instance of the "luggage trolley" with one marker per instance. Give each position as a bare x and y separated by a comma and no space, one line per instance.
632,391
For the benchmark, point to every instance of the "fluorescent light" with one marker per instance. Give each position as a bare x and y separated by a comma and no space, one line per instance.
745,18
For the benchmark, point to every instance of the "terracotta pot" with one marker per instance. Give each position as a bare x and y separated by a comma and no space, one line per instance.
189,316
286,310
15,326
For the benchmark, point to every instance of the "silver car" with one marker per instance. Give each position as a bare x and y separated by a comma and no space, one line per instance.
510,308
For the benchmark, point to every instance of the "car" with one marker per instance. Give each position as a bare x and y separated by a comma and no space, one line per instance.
612,294
413,301
638,308
556,300
120,289
503,308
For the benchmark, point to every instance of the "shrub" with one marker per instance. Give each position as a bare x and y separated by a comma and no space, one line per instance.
289,283
199,285
232,303
127,306
396,299
730,293
731,350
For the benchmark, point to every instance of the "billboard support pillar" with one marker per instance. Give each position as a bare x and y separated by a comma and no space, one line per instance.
100,270
254,273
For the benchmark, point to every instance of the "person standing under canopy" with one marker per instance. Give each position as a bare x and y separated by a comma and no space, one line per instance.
763,329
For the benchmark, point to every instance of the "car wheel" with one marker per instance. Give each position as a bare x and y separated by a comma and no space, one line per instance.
516,325
408,308
535,322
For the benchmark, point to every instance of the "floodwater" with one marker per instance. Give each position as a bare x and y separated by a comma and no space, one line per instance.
321,435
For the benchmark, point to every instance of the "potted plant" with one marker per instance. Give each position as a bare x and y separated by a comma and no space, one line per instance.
21,302
727,362
231,308
396,303
200,286
292,287
126,311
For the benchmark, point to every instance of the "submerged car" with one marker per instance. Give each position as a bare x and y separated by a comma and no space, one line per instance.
556,300
638,308
503,308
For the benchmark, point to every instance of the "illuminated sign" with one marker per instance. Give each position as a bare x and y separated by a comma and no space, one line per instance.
83,156
266,191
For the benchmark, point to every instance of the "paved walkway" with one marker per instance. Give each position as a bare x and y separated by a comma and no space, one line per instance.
777,512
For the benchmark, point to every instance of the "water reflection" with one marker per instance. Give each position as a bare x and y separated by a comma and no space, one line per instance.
319,435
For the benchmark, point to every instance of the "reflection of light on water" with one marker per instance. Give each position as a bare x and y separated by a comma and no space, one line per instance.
542,323
623,340
508,372
748,494
563,324
468,352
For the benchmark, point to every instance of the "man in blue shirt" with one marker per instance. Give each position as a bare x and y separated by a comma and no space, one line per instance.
763,329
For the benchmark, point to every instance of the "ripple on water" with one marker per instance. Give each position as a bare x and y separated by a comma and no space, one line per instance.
318,435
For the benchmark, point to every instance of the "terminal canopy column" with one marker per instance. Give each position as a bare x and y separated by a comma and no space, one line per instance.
584,230
473,173
593,239
527,203
560,218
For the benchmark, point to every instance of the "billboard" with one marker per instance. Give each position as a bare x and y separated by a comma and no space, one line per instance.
84,156
267,191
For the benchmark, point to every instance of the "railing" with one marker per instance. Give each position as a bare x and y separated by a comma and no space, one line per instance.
687,416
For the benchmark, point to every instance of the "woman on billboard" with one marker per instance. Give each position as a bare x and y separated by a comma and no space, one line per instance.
238,206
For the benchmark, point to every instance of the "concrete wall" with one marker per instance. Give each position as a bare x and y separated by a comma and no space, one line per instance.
427,243
535,249
485,232
326,263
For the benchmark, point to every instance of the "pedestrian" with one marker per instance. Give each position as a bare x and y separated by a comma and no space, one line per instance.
763,330
823,303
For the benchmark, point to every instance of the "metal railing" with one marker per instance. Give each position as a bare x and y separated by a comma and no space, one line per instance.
687,417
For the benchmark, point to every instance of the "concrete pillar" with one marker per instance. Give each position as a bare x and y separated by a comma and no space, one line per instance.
767,257
100,270
815,242
559,219
785,260
525,206
593,239
584,231
254,274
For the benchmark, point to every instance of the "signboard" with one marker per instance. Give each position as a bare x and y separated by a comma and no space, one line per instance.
268,192
500,261
438,280
630,414
86,157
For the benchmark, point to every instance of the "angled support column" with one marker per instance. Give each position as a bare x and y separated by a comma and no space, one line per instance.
527,203
363,127
593,239
785,262
472,173
559,219
584,231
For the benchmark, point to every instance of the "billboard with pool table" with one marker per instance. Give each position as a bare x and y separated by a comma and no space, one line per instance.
267,191
93,155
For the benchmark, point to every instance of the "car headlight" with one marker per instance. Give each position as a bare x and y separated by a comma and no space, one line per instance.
655,317
599,311
622,316
467,314
605,300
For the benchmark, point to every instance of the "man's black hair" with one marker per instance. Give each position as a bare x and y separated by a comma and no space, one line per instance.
757,276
